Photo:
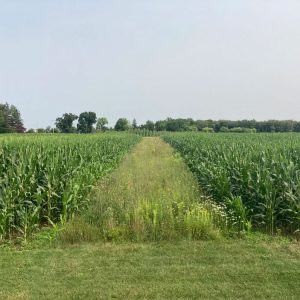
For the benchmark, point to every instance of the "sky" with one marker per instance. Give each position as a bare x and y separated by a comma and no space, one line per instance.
205,59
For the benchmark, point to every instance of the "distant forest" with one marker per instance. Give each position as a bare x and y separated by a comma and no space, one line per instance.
87,122
223,125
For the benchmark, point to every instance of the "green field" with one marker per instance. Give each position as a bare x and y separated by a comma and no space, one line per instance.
45,180
256,176
117,216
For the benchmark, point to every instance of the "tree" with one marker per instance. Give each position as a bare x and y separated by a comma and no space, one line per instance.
3,125
192,128
297,127
65,123
54,130
4,118
41,130
10,119
134,124
208,129
224,129
122,124
15,120
86,121
149,125
160,125
51,130
31,130
178,124
101,122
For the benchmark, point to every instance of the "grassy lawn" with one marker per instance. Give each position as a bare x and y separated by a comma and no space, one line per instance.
186,270
81,265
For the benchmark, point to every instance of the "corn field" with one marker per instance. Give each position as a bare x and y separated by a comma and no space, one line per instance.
47,179
256,176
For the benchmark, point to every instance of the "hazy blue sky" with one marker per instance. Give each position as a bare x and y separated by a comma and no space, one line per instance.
150,59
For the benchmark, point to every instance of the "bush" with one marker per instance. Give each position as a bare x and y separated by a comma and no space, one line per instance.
208,130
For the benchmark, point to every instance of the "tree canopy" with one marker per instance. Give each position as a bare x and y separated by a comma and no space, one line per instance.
86,121
101,124
65,123
10,119
189,124
134,124
149,125
122,124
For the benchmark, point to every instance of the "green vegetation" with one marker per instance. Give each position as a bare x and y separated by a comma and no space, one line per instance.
245,126
151,196
47,179
134,202
10,119
225,269
146,132
122,125
103,246
65,123
256,176
238,130
101,124
208,130
86,120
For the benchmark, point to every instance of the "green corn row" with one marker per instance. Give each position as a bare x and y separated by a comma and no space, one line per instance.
263,171
47,179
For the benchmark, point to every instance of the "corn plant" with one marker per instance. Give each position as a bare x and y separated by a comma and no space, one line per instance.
263,171
47,179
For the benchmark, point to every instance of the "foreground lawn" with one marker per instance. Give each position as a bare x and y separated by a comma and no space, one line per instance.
190,270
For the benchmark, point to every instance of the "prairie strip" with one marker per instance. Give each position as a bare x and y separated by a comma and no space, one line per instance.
151,196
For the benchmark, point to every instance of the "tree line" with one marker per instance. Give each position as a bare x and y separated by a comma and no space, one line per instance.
88,119
189,124
87,122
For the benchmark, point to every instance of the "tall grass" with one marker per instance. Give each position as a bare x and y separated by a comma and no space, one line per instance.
146,132
46,179
151,196
256,176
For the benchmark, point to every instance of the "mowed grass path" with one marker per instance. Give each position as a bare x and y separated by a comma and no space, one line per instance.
253,268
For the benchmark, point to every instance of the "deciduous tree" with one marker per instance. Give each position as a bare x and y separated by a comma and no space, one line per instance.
65,123
101,124
86,121
122,124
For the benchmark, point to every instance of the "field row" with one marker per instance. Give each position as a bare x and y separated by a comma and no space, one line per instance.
47,179
257,177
